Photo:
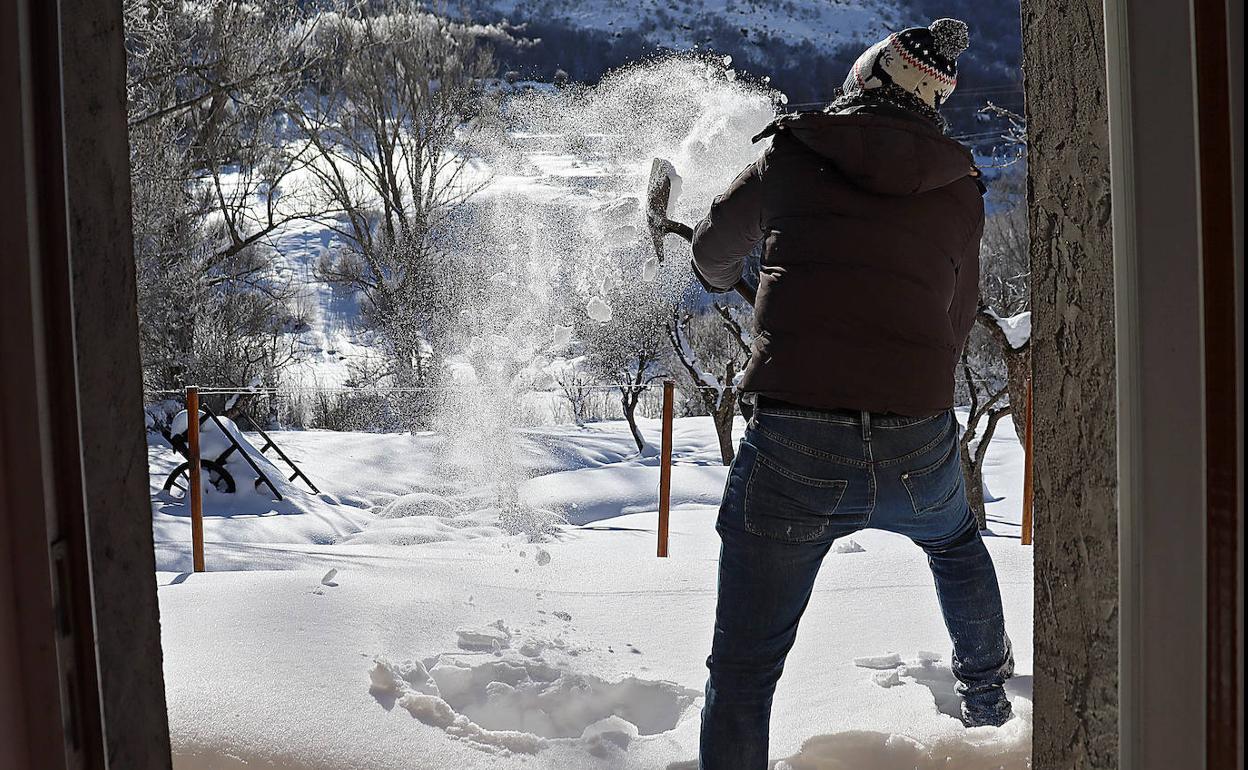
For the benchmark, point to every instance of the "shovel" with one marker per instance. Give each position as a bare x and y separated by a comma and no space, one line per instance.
658,196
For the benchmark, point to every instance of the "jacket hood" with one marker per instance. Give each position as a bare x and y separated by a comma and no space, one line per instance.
880,153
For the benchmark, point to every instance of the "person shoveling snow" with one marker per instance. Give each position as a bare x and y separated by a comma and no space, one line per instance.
871,220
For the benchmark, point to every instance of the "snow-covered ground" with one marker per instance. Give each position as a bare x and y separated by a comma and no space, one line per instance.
396,621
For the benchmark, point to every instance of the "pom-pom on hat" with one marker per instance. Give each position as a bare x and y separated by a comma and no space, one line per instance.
921,62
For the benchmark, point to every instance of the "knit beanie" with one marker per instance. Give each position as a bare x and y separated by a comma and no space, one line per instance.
915,68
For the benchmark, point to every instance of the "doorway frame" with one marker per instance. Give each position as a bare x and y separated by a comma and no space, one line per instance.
79,641
1176,139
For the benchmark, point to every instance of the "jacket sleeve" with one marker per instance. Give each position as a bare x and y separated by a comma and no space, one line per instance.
965,305
723,240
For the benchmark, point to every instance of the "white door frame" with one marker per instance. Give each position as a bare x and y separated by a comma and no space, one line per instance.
1160,343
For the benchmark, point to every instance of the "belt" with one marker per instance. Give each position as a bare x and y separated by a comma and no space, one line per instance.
767,402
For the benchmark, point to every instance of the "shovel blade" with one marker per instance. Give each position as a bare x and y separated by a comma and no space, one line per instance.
658,199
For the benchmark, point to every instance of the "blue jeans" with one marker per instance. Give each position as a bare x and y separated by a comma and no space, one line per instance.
801,480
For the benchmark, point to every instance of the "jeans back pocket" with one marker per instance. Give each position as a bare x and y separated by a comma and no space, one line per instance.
933,487
787,506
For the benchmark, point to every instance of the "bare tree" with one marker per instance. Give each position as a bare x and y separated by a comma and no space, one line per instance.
1005,288
996,363
713,349
1014,350
576,383
385,116
627,352
200,57
972,457
1014,132
632,381
209,167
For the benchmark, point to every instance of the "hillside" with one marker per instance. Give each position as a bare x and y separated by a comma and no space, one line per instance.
804,46
683,23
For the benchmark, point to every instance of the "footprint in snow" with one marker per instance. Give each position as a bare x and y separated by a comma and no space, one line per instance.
879,662
492,638
926,669
518,704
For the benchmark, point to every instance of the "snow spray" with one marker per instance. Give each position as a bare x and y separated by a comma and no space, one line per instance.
556,241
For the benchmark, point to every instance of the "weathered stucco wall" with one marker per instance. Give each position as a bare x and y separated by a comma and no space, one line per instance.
1076,551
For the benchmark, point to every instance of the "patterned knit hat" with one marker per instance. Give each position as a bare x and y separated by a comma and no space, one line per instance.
919,63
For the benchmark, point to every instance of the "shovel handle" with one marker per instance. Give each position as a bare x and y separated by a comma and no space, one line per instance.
746,291
678,228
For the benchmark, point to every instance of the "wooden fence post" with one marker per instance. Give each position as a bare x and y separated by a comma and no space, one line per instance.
665,466
1027,481
193,490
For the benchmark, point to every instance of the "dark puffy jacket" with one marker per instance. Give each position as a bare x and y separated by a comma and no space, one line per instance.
870,274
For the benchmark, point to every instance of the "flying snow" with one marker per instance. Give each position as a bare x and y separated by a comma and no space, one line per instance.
557,234
599,310
562,336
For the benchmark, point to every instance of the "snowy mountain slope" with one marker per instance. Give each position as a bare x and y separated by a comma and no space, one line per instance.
681,24
804,46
